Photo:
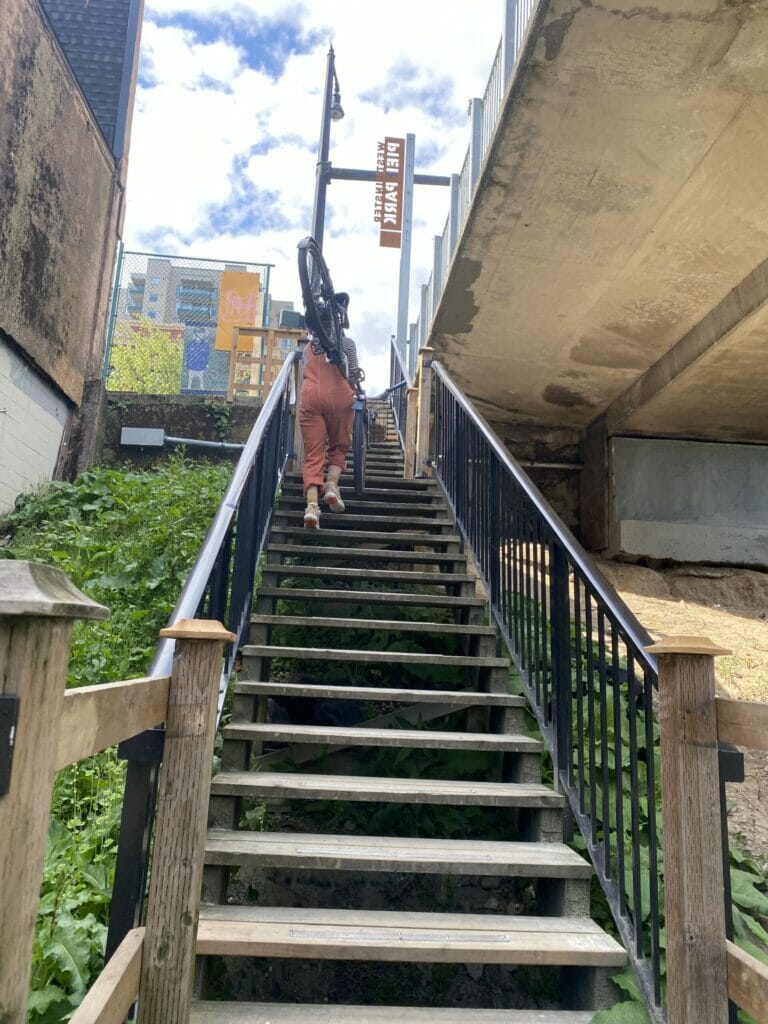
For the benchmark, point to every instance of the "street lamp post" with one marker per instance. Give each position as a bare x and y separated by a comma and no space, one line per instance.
325,172
332,111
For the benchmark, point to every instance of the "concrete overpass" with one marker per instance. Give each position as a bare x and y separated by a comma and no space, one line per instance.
612,274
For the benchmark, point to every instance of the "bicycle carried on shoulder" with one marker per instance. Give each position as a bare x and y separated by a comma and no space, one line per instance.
325,319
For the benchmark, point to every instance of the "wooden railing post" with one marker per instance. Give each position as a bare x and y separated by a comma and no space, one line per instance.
411,413
425,402
38,608
167,970
697,976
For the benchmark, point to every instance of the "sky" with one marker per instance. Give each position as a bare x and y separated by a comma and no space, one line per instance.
227,123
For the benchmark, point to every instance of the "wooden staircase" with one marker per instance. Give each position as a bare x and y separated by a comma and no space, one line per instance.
338,720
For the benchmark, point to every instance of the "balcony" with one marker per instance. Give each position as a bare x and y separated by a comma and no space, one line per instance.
185,292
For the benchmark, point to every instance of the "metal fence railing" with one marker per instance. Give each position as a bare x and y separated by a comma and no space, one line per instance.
219,586
398,379
171,322
580,653
484,118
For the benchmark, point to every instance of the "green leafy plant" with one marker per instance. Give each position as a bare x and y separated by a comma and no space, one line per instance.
221,414
127,538
146,357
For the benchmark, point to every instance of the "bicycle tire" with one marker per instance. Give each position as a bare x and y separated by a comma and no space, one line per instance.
359,451
321,311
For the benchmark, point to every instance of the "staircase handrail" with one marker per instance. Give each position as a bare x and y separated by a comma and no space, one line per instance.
398,374
220,587
631,625
199,575
580,655
405,375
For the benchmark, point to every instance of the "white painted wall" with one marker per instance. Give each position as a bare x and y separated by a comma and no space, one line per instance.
32,422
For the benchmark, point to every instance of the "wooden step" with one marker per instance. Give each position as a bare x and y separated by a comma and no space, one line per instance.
358,505
374,554
355,736
363,597
287,1013
371,480
321,691
397,538
380,853
377,789
389,494
436,579
372,657
411,937
350,521
375,625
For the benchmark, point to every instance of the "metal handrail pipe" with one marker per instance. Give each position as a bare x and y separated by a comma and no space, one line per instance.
401,364
352,174
194,588
625,618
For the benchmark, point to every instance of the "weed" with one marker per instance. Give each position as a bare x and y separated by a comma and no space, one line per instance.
127,538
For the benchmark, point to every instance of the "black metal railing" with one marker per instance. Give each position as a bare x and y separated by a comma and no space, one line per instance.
399,382
219,586
580,654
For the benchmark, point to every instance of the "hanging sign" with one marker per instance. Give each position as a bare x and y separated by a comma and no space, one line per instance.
388,202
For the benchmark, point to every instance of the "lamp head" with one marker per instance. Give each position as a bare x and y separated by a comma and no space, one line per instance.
337,111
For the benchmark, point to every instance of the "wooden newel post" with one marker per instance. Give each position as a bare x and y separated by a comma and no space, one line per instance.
697,982
38,608
425,402
411,416
168,963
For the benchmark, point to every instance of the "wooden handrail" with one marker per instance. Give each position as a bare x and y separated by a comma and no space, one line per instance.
96,717
748,982
743,722
116,988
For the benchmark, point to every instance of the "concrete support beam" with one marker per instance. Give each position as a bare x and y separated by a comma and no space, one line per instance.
743,302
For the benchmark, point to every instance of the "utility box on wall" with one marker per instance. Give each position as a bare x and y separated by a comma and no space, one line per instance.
689,501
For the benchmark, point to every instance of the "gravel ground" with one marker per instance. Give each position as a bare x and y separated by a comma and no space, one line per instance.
730,606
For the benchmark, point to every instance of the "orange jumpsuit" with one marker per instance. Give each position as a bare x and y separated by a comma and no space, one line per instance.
325,417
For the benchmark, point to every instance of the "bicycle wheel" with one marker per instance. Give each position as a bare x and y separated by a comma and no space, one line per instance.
320,309
359,448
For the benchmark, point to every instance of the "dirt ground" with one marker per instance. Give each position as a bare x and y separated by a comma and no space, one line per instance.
730,606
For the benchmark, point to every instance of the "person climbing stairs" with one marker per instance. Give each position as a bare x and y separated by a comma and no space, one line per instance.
384,844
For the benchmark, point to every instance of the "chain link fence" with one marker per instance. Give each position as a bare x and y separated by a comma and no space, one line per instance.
172,318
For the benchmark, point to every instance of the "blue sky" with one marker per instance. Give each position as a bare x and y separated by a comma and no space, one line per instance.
226,126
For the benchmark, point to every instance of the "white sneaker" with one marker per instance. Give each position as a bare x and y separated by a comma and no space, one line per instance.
312,516
332,497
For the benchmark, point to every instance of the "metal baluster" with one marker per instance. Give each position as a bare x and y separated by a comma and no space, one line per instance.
579,655
528,614
604,756
618,765
495,534
515,566
542,683
506,506
562,699
653,877
637,909
592,747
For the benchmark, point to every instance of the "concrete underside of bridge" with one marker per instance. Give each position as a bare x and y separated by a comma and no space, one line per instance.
612,264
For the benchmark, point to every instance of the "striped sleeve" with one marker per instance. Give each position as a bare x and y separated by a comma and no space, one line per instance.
350,350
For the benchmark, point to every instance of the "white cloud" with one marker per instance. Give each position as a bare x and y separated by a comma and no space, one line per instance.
203,115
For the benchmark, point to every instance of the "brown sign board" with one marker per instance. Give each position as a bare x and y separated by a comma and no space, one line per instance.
388,200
